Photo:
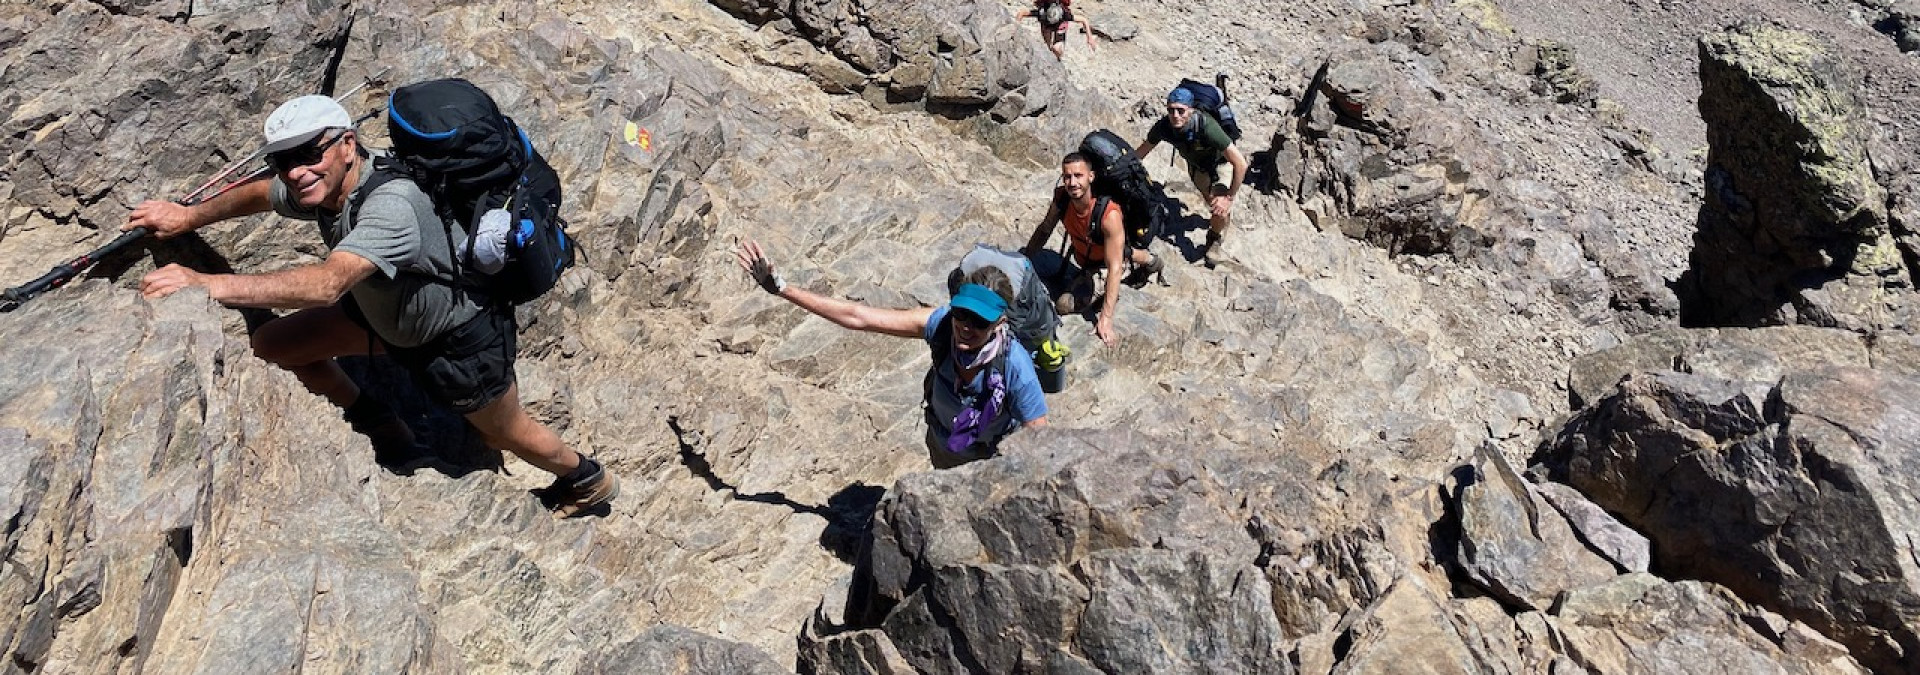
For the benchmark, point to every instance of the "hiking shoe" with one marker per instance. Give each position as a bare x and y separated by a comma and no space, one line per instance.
394,445
1212,253
568,497
1066,304
1142,273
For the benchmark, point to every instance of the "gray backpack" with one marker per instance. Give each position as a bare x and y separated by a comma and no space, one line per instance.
1032,319
1053,13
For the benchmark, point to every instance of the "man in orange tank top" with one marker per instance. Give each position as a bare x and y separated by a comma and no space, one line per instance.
1098,242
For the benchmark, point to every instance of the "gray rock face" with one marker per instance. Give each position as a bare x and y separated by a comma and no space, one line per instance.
136,493
959,60
1383,149
1515,544
1793,491
1043,563
1638,623
673,649
1249,480
1794,229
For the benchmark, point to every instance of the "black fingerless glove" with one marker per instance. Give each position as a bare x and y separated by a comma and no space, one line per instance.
764,275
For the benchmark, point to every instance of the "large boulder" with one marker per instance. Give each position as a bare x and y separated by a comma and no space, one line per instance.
1639,623
149,523
1044,561
1795,227
1381,151
1791,485
960,60
1517,545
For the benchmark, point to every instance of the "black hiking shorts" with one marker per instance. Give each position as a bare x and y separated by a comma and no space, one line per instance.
465,368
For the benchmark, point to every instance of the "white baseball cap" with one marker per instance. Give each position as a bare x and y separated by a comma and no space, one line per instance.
299,120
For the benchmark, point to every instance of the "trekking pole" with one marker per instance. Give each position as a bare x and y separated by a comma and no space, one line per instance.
65,272
257,154
62,273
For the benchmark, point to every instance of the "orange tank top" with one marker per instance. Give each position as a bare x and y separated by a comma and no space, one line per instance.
1080,225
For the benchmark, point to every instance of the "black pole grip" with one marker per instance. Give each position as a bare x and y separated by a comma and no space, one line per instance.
65,272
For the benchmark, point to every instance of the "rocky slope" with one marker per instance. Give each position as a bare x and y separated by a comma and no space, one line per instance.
1469,252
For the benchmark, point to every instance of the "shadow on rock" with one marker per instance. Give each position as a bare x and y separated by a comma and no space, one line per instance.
448,444
848,512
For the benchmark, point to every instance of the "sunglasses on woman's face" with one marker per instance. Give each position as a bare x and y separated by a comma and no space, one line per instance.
970,321
304,155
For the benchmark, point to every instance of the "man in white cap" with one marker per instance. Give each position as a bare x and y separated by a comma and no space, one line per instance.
383,288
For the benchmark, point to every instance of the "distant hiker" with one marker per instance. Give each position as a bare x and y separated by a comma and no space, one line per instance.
981,385
1055,16
1206,145
1097,238
386,286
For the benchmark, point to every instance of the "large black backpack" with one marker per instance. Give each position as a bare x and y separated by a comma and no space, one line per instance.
1031,316
1118,176
451,138
1212,101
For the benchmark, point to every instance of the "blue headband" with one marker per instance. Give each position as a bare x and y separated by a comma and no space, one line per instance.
1181,96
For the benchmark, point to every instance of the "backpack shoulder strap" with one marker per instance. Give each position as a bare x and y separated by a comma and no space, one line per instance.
1094,231
386,170
383,172
942,343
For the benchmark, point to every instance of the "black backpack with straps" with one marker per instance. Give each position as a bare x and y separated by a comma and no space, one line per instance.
1212,100
451,139
1119,177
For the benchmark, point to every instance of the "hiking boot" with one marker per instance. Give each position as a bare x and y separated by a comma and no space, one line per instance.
1212,253
587,491
394,445
1143,272
1066,304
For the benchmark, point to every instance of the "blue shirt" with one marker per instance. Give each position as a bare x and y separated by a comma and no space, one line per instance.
1025,400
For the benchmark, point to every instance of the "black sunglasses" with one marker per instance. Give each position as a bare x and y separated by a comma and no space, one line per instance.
972,321
302,155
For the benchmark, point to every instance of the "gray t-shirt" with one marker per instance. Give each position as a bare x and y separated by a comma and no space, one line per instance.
409,299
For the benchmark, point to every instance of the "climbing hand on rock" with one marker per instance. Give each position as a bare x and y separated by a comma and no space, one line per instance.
165,219
755,262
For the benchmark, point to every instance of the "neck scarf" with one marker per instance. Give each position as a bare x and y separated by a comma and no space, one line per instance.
975,419
996,344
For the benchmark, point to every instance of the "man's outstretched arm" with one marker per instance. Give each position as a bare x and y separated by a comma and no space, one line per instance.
168,219
316,285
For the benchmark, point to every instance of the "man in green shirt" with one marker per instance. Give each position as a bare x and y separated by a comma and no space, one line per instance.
1200,140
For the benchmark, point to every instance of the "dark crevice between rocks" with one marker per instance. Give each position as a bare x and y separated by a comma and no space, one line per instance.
957,111
1901,30
450,446
1444,535
962,647
849,512
338,54
180,541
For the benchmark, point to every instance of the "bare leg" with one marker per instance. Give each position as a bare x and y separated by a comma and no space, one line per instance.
305,344
504,424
